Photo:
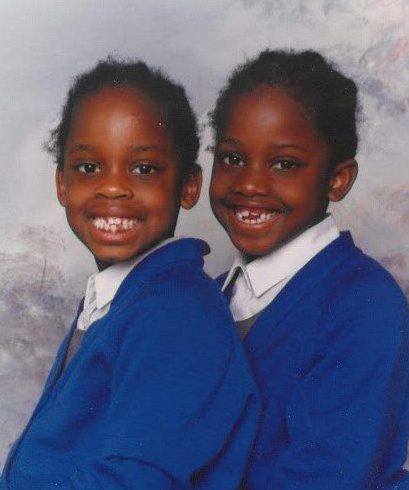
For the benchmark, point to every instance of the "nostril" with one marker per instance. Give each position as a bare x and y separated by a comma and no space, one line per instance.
253,185
114,190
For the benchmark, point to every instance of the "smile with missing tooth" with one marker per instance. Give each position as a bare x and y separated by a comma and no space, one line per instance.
114,224
254,216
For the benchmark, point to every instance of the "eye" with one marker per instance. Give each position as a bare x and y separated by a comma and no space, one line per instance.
284,165
144,169
231,159
88,168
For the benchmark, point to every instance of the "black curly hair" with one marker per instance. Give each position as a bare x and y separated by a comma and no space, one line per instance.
325,93
170,97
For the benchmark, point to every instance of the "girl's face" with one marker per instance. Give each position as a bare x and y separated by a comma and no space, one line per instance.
271,178
121,184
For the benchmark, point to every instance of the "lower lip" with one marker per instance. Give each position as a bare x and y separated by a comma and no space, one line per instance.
116,237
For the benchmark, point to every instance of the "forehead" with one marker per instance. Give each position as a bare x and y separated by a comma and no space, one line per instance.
116,114
270,112
120,123
123,101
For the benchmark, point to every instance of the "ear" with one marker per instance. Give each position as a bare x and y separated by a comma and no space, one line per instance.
191,188
61,188
342,179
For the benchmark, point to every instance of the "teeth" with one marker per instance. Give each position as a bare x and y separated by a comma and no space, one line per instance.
114,224
249,217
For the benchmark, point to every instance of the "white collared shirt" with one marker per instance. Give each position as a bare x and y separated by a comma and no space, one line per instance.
259,281
102,287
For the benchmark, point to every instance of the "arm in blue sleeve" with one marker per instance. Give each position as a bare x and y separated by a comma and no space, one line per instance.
346,410
179,391
117,473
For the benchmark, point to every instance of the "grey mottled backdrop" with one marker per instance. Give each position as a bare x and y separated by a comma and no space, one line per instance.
43,43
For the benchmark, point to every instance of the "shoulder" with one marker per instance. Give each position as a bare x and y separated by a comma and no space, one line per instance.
363,280
179,300
170,276
179,318
342,273
186,283
364,303
344,294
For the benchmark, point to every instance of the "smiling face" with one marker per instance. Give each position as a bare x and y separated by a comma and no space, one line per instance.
271,178
121,184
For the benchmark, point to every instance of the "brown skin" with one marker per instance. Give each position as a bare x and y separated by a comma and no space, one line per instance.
120,162
271,165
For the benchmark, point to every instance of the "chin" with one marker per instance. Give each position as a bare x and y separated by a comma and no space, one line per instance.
253,252
111,257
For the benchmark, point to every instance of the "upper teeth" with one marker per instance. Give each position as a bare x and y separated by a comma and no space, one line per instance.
254,219
114,223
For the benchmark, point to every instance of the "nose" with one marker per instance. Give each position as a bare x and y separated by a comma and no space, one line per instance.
251,181
114,185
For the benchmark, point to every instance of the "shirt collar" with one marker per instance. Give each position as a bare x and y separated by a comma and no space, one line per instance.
238,264
265,272
107,282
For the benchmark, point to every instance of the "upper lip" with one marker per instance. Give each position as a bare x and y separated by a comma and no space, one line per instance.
253,204
114,212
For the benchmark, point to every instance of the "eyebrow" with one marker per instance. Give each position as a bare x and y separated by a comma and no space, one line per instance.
133,148
280,146
81,147
143,148
275,146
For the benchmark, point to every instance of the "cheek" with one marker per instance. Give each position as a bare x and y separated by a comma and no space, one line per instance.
163,203
76,197
306,193
218,185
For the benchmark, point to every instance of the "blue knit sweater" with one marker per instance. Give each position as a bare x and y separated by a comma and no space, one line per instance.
159,395
331,357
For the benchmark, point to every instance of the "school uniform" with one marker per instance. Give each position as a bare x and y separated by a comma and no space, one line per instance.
328,342
158,395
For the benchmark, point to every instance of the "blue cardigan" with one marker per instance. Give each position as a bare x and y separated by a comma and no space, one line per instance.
330,355
159,395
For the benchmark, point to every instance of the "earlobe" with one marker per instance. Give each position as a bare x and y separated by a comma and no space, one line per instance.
342,179
60,185
191,188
